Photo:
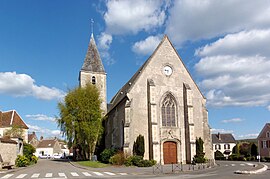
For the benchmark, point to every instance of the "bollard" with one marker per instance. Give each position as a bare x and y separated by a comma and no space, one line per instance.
181,166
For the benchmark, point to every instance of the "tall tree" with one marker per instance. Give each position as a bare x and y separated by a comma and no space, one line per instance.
254,150
81,119
138,146
199,157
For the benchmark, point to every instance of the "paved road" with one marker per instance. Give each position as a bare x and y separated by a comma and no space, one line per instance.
49,169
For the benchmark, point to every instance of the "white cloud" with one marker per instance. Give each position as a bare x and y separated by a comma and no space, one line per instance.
235,71
147,46
44,131
244,43
268,107
104,43
233,120
214,131
247,136
23,85
126,16
195,20
104,40
40,117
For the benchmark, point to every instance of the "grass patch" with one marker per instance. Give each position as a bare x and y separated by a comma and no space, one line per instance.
93,164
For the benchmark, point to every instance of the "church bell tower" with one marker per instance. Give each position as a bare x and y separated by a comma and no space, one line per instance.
93,72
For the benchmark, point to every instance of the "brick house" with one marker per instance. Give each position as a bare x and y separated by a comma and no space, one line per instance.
223,143
264,141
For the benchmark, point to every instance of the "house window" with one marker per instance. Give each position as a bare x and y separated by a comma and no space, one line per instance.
168,111
264,144
93,80
217,146
226,146
268,134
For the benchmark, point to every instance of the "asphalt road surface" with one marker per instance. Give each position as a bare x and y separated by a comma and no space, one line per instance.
50,169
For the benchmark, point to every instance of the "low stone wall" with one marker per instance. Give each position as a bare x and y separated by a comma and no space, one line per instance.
8,152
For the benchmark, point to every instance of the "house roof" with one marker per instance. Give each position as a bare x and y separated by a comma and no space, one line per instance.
7,140
92,61
12,118
267,125
122,93
47,143
32,136
223,138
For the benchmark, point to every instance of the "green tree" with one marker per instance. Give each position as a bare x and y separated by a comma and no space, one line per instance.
81,120
199,157
28,150
15,131
138,146
254,150
236,150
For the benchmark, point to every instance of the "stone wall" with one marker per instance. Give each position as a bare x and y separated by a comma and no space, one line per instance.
8,151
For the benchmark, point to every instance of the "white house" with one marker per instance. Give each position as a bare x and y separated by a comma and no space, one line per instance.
223,143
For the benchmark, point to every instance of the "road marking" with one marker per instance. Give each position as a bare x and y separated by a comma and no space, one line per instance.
7,176
87,174
226,165
97,173
74,174
109,173
48,175
35,175
62,175
232,165
21,176
123,173
242,164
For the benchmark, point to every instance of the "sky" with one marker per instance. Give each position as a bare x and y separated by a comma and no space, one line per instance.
224,45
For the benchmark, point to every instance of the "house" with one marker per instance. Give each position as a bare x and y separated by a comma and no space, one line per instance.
32,139
223,143
264,141
11,120
161,102
48,147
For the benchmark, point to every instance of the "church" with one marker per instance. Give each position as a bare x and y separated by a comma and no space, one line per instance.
161,102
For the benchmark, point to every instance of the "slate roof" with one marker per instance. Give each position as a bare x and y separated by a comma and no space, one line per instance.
92,61
121,94
46,143
11,118
224,138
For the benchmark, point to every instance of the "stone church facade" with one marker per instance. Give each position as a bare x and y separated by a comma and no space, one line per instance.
161,102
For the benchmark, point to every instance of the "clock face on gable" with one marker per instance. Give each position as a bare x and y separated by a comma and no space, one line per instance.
167,70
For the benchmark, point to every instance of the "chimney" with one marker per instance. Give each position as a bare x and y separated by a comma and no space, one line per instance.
41,137
219,137
34,133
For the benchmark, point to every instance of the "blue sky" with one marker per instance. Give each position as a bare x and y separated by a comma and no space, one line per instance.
224,44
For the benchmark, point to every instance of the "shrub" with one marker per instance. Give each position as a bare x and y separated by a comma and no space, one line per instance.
138,146
138,161
233,157
21,161
128,161
267,159
34,159
117,159
219,155
106,155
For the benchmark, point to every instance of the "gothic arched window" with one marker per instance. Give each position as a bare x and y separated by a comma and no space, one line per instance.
168,111
93,80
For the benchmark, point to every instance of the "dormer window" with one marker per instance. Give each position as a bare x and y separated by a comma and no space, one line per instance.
93,80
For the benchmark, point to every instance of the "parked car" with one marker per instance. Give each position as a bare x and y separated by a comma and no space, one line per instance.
57,156
44,156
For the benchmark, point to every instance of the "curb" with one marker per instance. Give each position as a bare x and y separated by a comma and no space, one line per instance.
265,167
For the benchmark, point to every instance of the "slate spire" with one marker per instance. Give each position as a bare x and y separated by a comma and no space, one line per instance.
92,61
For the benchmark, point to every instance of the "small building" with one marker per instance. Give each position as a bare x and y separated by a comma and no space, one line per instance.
48,147
33,140
264,141
223,143
11,119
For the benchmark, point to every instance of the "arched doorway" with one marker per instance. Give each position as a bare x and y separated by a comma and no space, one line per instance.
169,152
